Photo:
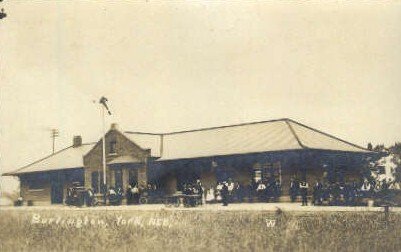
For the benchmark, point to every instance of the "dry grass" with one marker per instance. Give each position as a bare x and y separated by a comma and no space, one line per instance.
200,231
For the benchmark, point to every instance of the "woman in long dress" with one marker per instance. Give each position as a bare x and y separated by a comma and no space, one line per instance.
210,195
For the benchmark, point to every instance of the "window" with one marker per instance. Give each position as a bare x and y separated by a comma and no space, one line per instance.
95,182
118,178
102,186
35,185
133,177
381,169
264,171
112,147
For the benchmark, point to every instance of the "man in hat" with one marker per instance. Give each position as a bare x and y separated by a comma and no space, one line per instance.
128,195
303,186
224,194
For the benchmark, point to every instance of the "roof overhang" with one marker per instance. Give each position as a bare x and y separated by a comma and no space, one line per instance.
23,172
123,160
363,153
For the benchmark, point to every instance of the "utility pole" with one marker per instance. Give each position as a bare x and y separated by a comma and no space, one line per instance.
54,134
2,13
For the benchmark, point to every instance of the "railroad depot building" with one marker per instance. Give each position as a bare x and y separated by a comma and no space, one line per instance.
281,148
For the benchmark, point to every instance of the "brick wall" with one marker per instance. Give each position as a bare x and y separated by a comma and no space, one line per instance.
93,161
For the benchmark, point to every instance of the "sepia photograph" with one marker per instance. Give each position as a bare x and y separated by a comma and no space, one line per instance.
150,125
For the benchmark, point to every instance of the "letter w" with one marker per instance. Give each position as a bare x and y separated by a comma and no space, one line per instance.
270,223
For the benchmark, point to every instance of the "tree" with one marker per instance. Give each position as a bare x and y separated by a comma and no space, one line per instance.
380,148
372,166
396,151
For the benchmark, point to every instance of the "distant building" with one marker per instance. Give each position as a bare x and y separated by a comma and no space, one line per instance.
279,148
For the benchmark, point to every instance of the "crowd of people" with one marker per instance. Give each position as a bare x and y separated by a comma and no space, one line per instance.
229,191
136,194
269,190
339,193
195,191
133,194
232,191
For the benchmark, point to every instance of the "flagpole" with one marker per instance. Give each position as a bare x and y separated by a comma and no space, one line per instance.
103,101
104,148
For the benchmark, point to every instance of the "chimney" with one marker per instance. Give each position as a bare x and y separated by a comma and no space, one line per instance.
77,141
114,126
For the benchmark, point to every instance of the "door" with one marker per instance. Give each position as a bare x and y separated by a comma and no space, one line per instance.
57,193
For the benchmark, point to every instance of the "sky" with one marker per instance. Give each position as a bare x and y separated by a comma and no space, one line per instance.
192,64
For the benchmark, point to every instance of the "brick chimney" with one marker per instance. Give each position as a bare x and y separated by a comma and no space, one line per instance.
114,126
77,141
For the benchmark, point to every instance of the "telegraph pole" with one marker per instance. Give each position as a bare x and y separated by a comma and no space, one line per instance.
2,13
54,134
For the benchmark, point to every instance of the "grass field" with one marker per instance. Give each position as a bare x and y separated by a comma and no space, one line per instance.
131,230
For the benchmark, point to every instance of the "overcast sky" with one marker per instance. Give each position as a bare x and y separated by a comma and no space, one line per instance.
186,65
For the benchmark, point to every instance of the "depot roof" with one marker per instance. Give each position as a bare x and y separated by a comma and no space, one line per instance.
247,138
257,137
68,158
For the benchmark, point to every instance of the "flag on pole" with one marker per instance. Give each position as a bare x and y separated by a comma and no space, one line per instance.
103,100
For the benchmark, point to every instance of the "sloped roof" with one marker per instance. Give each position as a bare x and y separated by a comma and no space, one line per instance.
68,158
257,137
314,139
149,141
242,139
266,136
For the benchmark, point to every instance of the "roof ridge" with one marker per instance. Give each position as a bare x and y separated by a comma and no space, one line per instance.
327,134
295,134
207,128
143,133
86,143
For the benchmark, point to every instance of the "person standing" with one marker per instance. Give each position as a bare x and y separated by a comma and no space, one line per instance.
128,195
90,197
366,188
277,190
224,194
200,191
261,191
230,186
238,191
304,192
317,193
293,189
135,194
210,195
